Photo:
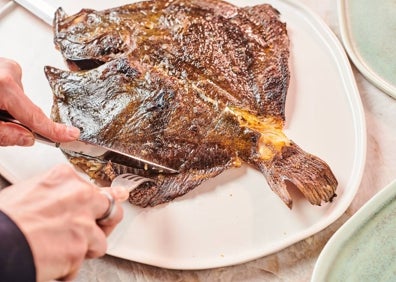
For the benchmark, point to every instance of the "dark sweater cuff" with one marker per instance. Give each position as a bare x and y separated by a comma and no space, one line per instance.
16,258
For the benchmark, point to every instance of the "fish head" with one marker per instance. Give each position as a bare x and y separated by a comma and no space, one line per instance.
90,100
89,38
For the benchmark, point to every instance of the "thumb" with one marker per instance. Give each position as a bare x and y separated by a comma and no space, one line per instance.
12,134
120,194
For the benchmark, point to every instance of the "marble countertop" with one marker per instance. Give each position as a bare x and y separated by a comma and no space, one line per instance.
296,262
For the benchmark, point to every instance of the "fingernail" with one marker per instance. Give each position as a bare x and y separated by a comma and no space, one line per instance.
73,132
120,193
25,140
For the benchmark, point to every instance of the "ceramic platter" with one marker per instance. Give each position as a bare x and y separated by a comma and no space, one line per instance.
234,217
368,33
364,248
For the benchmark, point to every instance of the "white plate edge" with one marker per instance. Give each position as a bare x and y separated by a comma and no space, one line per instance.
354,99
360,148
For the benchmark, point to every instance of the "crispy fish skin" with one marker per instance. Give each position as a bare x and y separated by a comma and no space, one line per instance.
199,86
243,51
147,121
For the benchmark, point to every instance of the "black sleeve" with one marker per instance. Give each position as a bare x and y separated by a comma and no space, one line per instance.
16,258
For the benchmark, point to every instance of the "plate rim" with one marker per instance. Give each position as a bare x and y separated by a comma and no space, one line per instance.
355,222
360,156
354,103
358,61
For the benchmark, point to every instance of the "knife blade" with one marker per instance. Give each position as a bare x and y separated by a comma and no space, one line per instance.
98,152
104,153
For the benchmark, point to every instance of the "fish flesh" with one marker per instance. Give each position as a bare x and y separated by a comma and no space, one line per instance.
199,86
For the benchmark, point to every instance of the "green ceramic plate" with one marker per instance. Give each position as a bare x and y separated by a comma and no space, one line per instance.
364,248
368,31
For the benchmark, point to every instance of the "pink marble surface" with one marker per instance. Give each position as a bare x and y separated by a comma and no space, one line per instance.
296,262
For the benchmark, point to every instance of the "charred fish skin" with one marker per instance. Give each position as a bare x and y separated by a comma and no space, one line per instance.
210,42
148,116
148,130
212,71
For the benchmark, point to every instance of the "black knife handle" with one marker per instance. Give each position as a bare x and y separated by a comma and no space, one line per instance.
7,117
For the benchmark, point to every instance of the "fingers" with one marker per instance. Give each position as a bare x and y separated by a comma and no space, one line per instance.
37,121
97,244
71,276
119,195
11,69
94,199
12,134
72,273
58,213
14,100
108,226
34,118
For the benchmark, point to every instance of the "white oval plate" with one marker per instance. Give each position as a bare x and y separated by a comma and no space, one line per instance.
364,248
368,33
234,217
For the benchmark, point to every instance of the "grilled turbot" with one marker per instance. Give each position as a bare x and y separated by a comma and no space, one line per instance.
199,86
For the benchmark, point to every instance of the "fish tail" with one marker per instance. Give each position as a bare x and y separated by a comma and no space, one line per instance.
308,173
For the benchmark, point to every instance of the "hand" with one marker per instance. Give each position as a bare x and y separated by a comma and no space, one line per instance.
14,100
57,212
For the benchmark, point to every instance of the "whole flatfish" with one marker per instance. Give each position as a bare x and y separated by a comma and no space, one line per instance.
199,86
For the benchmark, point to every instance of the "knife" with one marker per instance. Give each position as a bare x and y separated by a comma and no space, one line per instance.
45,11
98,152
40,8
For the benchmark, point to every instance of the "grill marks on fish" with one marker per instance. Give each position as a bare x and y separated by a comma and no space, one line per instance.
195,85
189,40
157,111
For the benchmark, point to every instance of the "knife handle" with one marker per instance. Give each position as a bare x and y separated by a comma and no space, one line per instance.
44,10
7,117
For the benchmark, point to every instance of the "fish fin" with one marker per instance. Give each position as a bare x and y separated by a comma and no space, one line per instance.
308,173
53,75
59,16
171,187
